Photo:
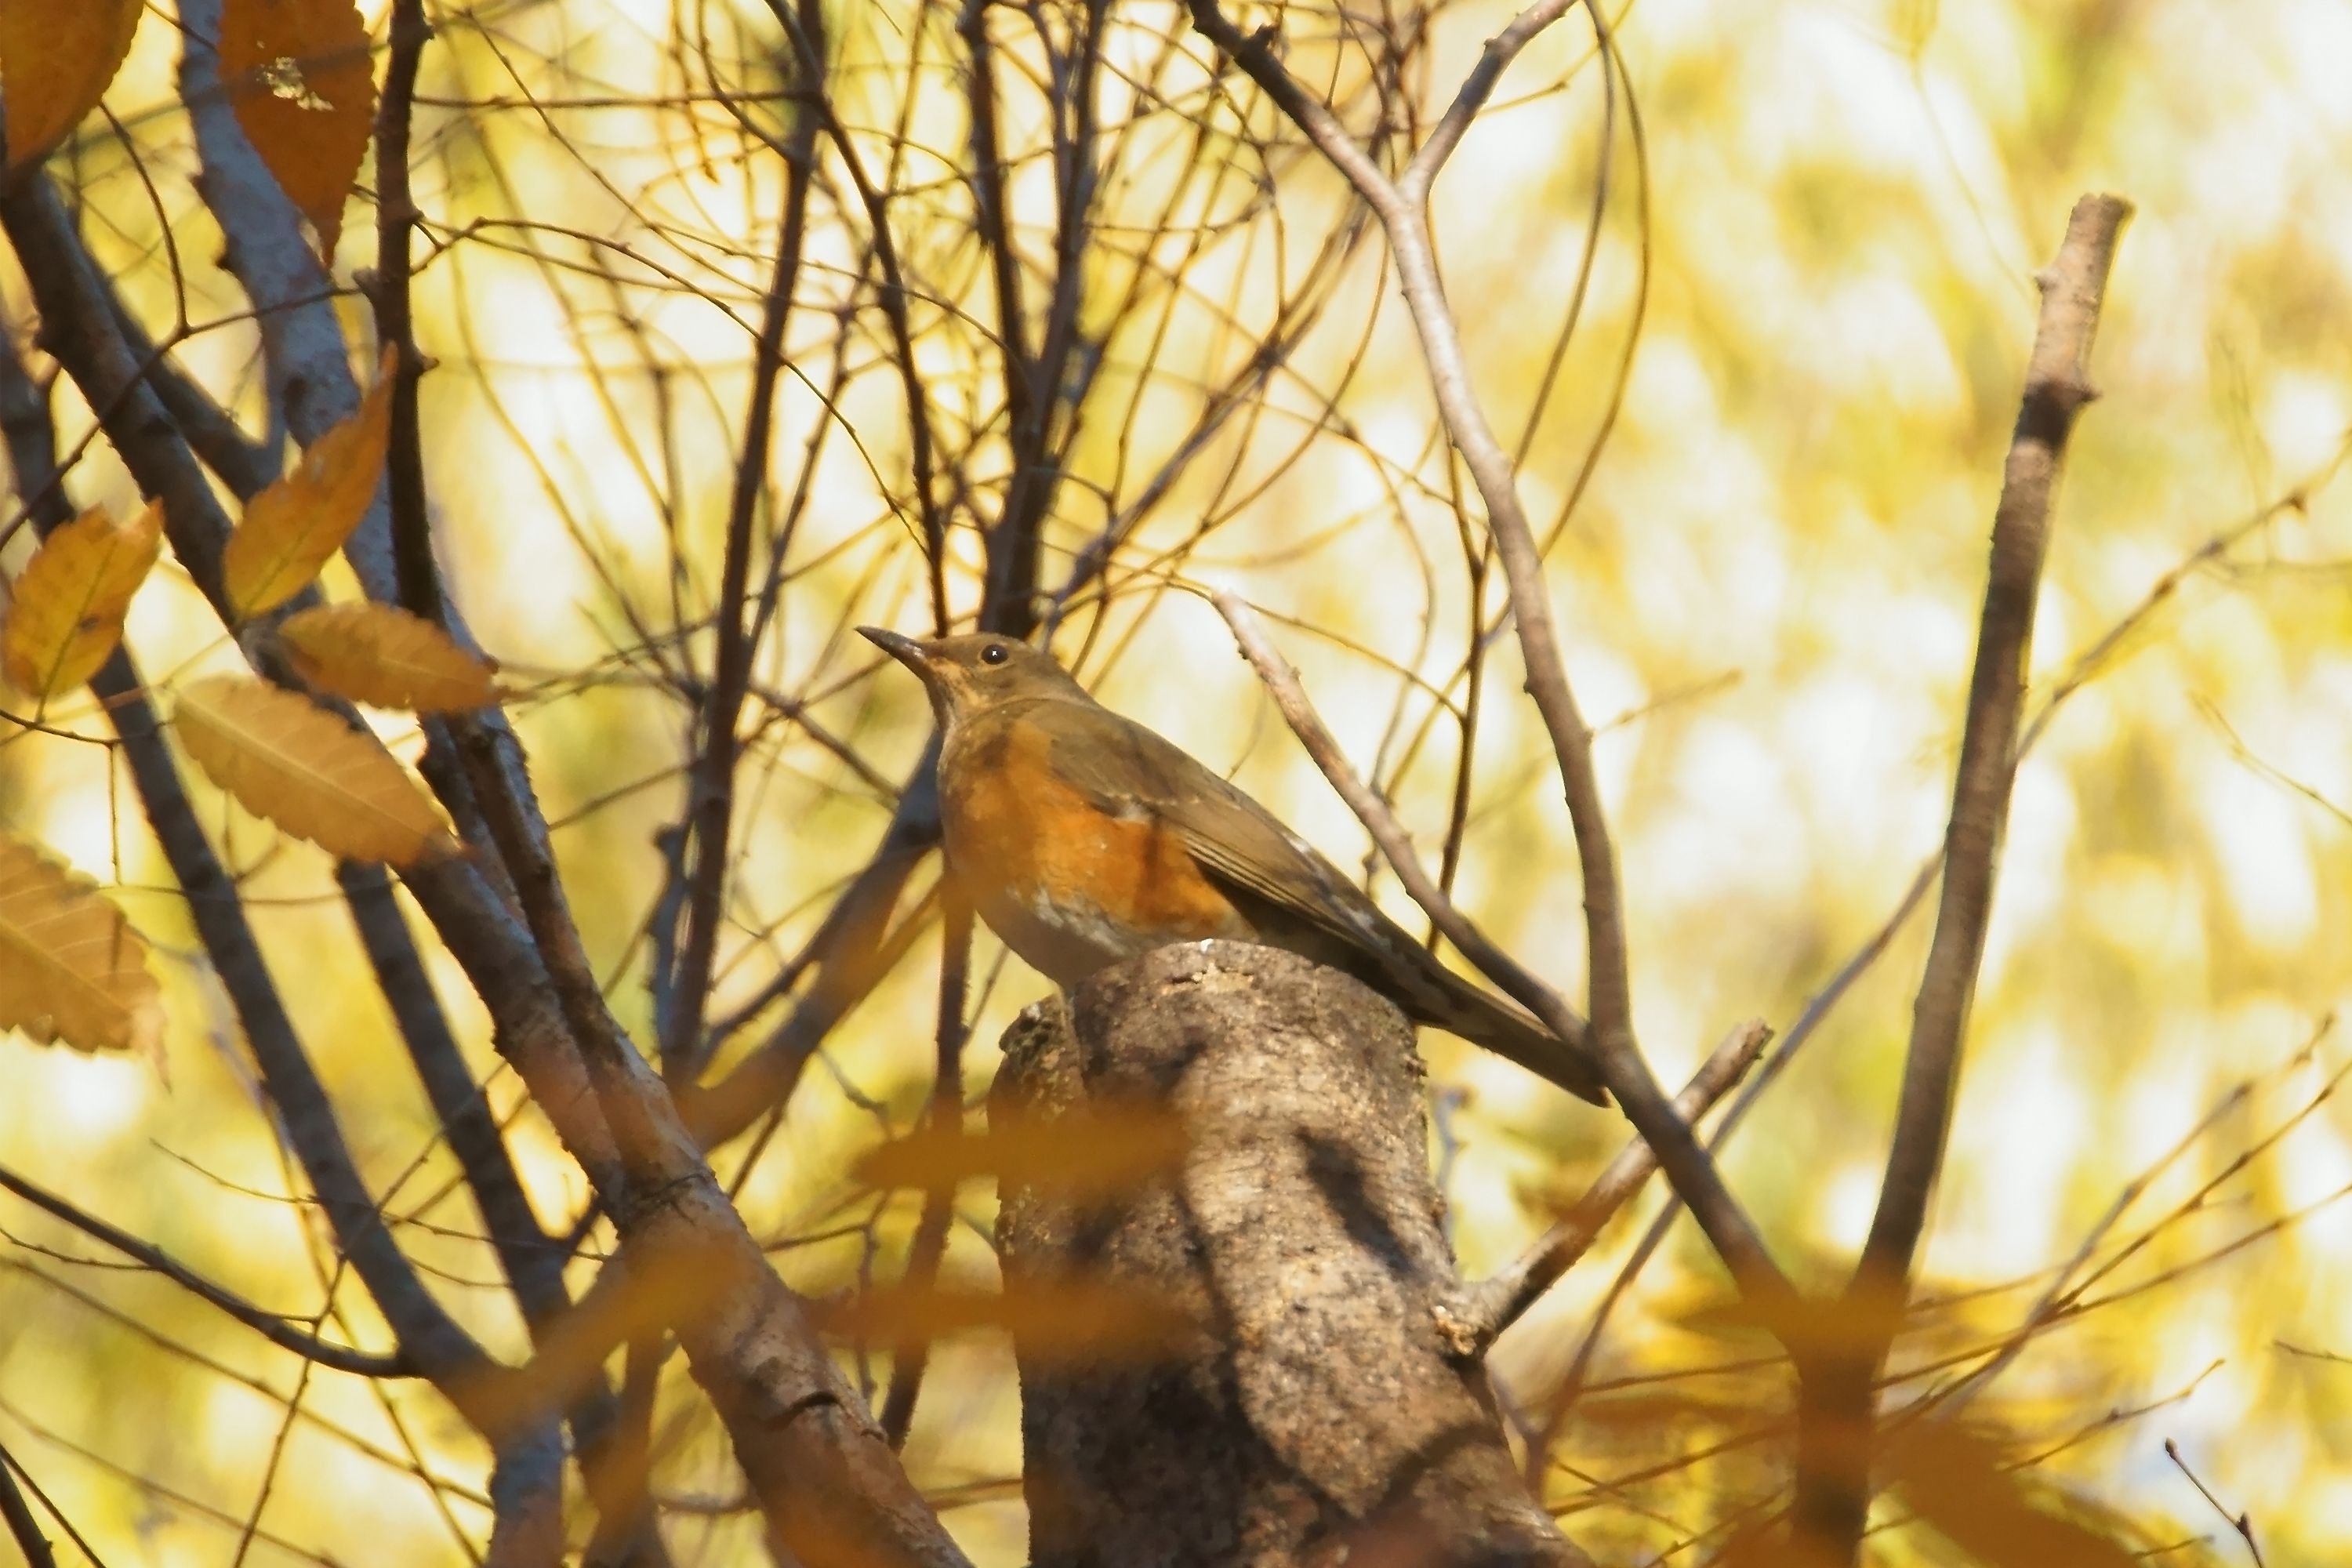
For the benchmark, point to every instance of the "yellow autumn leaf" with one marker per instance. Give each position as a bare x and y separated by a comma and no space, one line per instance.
381,655
71,968
291,529
300,78
69,601
56,60
286,759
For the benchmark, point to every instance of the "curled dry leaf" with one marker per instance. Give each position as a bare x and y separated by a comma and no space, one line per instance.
301,79
71,968
56,60
284,758
291,529
381,655
71,597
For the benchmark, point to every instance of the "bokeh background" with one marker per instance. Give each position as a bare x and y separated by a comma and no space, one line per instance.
1769,448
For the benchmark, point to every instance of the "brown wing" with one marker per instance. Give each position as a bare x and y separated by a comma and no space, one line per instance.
1129,771
1297,898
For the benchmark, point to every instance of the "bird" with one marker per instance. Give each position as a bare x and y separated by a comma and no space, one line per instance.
1081,838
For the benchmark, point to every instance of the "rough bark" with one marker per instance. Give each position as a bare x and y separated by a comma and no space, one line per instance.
1310,1412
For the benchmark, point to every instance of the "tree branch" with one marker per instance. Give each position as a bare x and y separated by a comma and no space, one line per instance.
1834,1415
830,1487
683,995
22,1527
269,1325
1402,214
912,1352
1491,1305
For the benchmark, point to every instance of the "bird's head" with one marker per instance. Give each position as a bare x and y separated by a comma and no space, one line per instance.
967,674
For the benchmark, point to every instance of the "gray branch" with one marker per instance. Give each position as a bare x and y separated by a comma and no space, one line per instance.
1305,1405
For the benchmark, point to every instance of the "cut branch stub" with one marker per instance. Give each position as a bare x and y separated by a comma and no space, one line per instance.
1312,1411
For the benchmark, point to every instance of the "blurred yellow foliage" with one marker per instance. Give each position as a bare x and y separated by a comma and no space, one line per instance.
1815,267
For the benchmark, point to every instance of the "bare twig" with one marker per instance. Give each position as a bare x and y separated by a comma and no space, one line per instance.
1496,1303
2241,1521
1281,682
396,221
911,1354
269,1325
1834,1415
22,1527
710,795
1401,208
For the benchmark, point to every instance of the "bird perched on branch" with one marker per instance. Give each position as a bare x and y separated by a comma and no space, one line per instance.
1082,838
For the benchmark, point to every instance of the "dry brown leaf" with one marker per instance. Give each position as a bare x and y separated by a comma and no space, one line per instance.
292,527
1962,1483
381,655
1081,1321
70,599
71,968
298,74
1074,1153
56,60
285,758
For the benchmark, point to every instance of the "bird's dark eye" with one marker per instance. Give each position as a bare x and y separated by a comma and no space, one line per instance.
992,654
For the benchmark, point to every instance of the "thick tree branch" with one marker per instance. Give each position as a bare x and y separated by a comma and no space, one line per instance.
829,1485
1284,1393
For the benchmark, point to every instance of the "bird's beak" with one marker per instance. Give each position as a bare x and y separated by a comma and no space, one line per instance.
905,649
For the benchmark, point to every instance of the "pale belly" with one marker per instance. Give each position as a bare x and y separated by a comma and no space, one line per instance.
1064,943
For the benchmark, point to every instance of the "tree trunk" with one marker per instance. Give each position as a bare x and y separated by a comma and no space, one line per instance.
1309,1411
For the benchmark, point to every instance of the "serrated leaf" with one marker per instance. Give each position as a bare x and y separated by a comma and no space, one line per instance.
286,759
381,655
301,79
71,968
57,58
291,529
66,615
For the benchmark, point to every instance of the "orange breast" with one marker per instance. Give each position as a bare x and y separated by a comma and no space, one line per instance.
1066,885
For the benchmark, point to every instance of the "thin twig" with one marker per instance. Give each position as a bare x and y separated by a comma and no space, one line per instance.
1401,208
1281,682
2241,1521
1496,1303
910,1356
710,790
22,1527
269,1325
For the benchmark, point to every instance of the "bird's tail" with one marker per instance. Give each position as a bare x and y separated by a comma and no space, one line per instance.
1515,1035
